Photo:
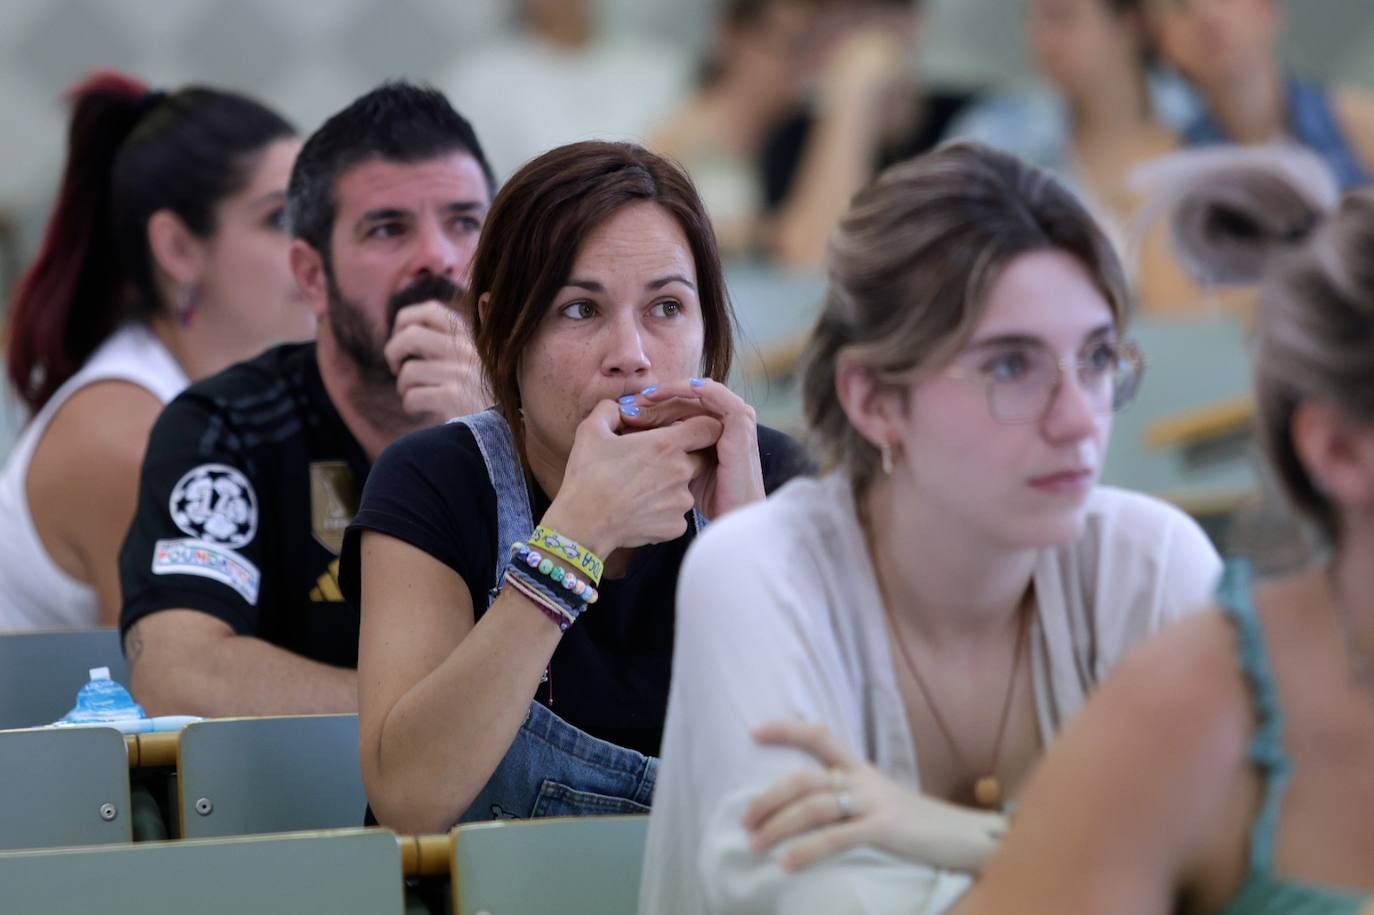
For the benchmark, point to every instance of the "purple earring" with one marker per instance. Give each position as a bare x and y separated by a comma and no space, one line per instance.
188,299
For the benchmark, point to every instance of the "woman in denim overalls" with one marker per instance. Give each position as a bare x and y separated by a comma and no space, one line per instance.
598,310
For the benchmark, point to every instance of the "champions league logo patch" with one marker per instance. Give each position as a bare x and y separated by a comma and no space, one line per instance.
215,503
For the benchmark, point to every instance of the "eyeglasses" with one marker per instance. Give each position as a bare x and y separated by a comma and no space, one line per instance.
1023,378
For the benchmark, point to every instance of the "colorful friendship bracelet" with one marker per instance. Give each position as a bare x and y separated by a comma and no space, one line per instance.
576,587
556,616
568,549
551,592
530,589
557,592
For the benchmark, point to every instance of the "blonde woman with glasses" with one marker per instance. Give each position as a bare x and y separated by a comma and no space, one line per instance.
868,664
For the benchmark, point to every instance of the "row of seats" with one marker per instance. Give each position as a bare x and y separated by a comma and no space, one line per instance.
260,805
570,866
70,818
238,776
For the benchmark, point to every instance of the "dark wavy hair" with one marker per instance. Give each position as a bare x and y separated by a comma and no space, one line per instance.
532,235
130,153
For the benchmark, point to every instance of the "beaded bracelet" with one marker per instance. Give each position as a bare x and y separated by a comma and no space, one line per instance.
568,549
576,587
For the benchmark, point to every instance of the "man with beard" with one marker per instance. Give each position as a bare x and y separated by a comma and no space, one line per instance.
231,602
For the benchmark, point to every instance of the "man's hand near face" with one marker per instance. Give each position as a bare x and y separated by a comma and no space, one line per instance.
432,355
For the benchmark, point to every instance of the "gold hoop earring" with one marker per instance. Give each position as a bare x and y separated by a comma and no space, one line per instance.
885,453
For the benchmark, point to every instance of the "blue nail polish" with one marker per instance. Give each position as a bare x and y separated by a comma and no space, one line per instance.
649,390
629,409
628,398
697,382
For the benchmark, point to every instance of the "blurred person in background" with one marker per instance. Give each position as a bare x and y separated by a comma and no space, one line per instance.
1228,49
562,76
752,78
803,101
163,262
867,111
1110,109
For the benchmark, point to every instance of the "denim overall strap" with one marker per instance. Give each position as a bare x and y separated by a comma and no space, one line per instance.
551,768
514,519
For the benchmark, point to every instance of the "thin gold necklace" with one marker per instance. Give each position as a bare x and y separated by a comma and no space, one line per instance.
987,789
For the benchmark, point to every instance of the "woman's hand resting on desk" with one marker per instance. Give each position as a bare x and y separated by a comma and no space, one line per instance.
732,475
849,803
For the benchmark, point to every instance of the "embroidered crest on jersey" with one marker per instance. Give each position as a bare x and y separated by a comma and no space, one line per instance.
333,502
207,560
215,503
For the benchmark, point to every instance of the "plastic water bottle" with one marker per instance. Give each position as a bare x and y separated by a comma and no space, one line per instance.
102,701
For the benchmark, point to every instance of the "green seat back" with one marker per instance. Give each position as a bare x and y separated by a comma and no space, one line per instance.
41,672
242,776
63,786
349,872
1190,363
568,866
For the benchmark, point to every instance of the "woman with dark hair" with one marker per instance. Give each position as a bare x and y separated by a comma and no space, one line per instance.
1225,767
516,570
164,262
868,665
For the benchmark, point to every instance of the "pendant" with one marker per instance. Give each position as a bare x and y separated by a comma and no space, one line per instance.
987,792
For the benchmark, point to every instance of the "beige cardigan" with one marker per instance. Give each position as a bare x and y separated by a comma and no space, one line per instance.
778,616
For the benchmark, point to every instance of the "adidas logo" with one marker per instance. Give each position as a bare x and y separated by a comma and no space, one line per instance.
326,588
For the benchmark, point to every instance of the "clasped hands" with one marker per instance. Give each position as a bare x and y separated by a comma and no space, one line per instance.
640,464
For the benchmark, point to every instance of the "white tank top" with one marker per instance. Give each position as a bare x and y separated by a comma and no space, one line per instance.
35,593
